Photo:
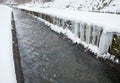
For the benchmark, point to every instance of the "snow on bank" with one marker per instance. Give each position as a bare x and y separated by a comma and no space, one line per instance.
7,69
109,22
94,49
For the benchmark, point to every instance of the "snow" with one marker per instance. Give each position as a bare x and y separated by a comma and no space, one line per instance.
77,40
86,5
109,22
113,7
94,49
105,42
7,70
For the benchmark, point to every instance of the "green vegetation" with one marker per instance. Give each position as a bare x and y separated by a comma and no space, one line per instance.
115,47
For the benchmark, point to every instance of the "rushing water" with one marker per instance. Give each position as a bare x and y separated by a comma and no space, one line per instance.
47,58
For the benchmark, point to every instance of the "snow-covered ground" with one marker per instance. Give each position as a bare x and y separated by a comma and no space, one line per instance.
7,69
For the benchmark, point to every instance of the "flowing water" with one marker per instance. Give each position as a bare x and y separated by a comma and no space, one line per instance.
48,58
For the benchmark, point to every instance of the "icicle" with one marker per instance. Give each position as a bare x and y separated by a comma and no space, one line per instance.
76,29
88,34
57,21
91,27
60,22
100,30
72,26
105,42
54,20
63,24
94,35
82,31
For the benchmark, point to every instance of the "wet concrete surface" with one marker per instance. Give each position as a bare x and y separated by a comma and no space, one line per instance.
48,58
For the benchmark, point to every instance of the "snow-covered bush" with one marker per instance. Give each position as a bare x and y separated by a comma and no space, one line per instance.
88,5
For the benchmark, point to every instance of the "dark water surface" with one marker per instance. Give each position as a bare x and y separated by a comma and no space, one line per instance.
47,58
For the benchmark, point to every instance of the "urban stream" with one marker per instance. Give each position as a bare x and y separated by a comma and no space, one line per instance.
48,58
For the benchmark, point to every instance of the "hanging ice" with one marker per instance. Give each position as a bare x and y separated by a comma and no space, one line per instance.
105,42
76,29
88,34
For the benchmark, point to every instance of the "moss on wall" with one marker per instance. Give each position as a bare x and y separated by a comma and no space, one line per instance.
115,47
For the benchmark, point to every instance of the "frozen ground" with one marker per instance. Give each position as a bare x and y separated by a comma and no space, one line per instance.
7,70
